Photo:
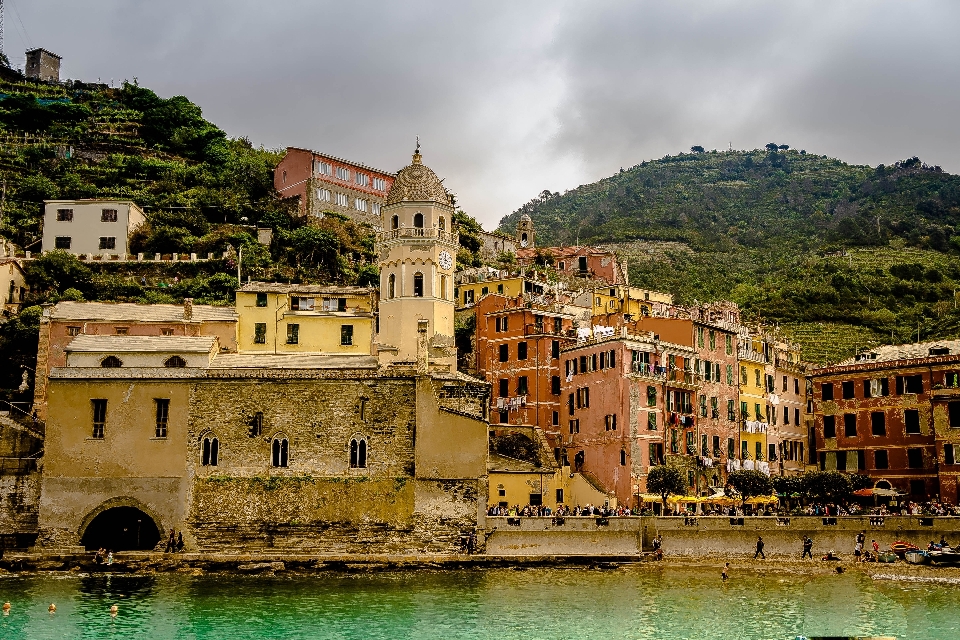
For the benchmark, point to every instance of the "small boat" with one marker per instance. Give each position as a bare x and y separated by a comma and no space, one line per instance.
945,555
887,556
917,557
900,547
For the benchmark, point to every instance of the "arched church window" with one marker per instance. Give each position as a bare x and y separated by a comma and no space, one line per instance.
418,285
280,451
392,286
210,451
395,222
441,223
358,453
111,362
175,362
418,220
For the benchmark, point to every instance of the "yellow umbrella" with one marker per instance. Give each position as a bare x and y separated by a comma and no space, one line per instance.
763,500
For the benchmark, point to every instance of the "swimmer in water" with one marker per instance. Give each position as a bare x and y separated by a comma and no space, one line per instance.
113,611
6,608
723,574
52,608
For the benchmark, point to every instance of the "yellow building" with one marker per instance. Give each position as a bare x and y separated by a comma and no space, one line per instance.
296,318
515,483
472,287
622,299
754,418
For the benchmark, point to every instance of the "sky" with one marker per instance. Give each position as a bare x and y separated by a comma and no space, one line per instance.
513,97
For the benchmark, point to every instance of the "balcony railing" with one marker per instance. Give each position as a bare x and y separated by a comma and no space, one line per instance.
418,232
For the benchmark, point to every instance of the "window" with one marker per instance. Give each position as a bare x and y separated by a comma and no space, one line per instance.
73,331
61,242
391,286
796,416
829,426
323,195
729,345
175,362
343,200
700,337
756,376
847,389
111,362
260,333
731,410
850,425
915,458
556,418
522,386
261,299
521,351
953,414
395,222
418,285
99,417
504,385
909,384
108,215
651,396
293,333
362,179
786,415
771,452
418,220
210,451
166,332
651,421
504,353
878,423
713,340
731,448
729,374
64,215
343,174
358,453
122,331
379,184
880,459
360,204
555,385
163,414
574,427
346,334
796,385
757,412
784,384
555,350
826,391
911,421
441,223
703,406
610,423
948,457
623,458
375,209
280,452
570,404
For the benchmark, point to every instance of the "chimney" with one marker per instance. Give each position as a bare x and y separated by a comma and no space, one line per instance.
188,308
423,365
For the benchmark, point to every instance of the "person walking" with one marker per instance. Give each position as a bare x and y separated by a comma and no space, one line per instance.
807,547
658,547
724,573
759,549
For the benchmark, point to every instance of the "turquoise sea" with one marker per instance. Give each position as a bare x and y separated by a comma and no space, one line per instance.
495,604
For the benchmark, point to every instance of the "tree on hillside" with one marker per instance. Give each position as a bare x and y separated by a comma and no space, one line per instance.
772,146
18,346
696,149
55,272
748,484
826,485
665,481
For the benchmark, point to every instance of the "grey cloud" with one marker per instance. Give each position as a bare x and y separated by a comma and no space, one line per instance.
510,98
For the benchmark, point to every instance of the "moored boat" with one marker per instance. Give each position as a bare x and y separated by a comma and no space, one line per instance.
887,556
945,555
917,557
900,547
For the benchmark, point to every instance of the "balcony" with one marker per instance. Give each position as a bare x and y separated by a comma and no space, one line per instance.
676,377
946,393
751,355
451,237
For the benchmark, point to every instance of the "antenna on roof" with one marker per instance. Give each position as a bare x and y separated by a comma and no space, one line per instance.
418,137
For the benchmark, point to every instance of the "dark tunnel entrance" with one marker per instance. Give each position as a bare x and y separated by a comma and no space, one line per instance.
121,529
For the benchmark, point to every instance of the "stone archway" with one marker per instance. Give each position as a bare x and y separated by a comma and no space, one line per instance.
121,524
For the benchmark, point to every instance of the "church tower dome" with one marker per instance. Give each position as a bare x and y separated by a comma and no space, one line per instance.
417,252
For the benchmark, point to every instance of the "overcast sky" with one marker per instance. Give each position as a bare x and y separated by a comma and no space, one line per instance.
511,98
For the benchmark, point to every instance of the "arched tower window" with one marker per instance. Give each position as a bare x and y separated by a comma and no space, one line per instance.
210,451
395,222
418,220
111,362
358,453
523,238
392,286
280,451
418,285
441,223
175,362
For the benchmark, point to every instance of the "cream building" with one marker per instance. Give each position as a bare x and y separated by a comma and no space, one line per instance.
13,286
100,227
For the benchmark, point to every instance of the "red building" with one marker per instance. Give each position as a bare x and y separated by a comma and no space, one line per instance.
327,183
576,262
518,345
893,413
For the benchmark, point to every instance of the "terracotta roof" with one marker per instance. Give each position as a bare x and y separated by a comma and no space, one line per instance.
293,361
344,161
912,351
279,287
131,344
132,312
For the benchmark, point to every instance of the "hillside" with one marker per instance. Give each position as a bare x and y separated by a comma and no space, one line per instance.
797,239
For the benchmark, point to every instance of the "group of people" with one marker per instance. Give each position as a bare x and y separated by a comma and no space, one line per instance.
174,542
541,511
103,556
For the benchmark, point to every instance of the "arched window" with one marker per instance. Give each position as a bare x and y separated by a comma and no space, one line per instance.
418,285
441,223
392,286
358,453
280,451
418,220
523,238
111,362
210,451
175,362
395,222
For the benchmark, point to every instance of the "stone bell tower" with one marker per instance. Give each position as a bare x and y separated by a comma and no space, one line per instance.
525,234
417,252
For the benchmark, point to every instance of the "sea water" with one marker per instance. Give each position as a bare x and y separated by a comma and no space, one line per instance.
495,604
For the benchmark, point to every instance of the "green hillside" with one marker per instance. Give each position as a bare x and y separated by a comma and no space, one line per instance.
797,239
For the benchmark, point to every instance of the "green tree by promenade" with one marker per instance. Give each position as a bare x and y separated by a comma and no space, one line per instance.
827,486
747,484
665,481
